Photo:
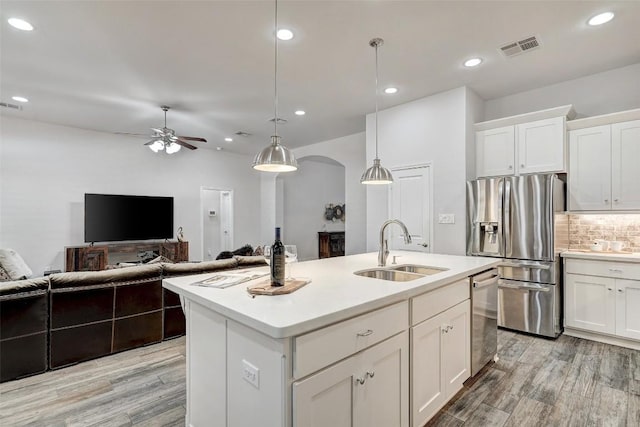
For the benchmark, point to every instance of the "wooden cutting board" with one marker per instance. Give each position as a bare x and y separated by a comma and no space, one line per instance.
264,287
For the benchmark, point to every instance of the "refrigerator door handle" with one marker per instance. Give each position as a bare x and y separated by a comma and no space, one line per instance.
506,217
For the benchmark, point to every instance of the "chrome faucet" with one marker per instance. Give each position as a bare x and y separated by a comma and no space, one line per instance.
383,253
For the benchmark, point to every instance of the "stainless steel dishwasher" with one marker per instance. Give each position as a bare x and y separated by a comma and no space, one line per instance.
484,319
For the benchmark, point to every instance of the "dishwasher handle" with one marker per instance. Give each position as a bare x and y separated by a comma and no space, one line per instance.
484,283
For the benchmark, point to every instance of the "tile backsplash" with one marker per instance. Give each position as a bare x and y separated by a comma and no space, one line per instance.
584,229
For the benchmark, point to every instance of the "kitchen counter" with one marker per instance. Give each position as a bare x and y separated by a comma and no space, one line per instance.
334,293
603,256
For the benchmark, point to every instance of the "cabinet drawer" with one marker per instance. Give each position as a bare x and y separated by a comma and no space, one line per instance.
621,270
428,305
323,347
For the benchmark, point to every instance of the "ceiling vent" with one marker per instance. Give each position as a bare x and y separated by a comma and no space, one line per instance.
242,133
14,106
520,46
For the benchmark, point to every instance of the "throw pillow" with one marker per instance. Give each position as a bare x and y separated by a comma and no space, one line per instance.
15,266
4,276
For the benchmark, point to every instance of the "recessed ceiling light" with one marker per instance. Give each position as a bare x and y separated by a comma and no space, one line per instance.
284,34
391,90
20,98
20,24
601,18
300,113
228,139
473,62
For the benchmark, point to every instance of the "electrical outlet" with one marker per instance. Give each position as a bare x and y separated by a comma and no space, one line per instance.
251,374
446,219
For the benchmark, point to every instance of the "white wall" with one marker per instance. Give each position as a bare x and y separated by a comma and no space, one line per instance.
602,93
435,131
46,169
305,195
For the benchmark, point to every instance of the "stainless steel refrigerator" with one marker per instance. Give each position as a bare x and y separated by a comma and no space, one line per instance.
517,218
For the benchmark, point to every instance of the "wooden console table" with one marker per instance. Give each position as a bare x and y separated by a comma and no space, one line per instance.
94,258
330,244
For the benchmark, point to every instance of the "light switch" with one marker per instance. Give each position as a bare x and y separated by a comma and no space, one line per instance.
446,219
251,374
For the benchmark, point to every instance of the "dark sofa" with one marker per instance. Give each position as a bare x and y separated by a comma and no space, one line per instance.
66,318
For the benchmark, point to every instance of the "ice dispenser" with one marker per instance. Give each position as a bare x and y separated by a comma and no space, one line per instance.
484,216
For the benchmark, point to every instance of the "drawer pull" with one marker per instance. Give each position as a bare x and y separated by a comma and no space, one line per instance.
370,374
365,333
361,381
620,290
609,289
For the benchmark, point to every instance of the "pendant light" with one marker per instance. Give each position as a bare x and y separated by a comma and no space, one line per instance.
275,157
376,174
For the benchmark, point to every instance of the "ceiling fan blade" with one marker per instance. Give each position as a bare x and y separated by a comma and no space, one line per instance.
192,138
150,142
146,135
185,144
158,131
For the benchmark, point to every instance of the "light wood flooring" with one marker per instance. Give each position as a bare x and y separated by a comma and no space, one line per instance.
537,382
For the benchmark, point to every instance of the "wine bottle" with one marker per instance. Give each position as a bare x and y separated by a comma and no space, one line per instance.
277,261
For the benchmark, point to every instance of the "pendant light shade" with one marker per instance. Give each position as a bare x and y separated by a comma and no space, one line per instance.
275,157
376,174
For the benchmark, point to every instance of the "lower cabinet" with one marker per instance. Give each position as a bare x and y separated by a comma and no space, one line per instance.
603,297
440,360
367,389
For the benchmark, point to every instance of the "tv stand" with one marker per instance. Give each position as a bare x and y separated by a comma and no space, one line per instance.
97,257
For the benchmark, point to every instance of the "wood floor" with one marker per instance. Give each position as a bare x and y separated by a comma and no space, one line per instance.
537,382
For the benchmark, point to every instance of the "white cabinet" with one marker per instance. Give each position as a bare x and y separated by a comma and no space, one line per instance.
603,297
440,360
369,388
603,171
534,146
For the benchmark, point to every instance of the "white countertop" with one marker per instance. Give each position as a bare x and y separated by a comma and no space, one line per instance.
603,256
334,293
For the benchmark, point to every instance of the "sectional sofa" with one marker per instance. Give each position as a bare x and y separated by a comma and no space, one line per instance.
66,318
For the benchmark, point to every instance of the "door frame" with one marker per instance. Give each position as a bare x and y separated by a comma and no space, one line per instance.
201,213
428,166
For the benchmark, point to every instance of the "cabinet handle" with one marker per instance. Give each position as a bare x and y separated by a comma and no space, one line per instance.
510,167
361,381
606,200
620,290
522,165
615,200
369,374
609,289
365,333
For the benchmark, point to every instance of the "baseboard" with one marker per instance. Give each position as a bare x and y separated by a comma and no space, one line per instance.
607,339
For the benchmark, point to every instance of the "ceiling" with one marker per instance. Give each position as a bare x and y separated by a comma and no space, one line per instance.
109,65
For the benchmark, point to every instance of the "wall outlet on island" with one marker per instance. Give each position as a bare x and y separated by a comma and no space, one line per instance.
446,219
251,374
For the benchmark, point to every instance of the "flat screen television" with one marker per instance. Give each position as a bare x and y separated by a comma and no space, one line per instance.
112,217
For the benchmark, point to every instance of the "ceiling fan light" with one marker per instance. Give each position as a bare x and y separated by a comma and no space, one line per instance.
156,146
173,148
376,174
275,158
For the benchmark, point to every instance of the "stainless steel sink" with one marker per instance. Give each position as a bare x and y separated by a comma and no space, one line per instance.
392,275
419,269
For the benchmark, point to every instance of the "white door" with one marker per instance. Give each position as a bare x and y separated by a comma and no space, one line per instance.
410,199
625,153
495,151
326,398
216,210
428,386
590,303
590,169
226,220
456,347
382,401
628,308
541,146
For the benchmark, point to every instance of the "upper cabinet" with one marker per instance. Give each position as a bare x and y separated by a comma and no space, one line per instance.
527,143
603,156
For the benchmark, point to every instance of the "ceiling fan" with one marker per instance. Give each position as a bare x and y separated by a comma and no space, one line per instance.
166,139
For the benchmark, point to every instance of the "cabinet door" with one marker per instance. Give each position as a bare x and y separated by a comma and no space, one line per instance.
428,385
456,348
383,398
628,308
590,303
495,151
541,146
625,177
326,398
590,169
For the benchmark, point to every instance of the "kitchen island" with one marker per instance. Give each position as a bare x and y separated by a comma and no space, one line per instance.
336,352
